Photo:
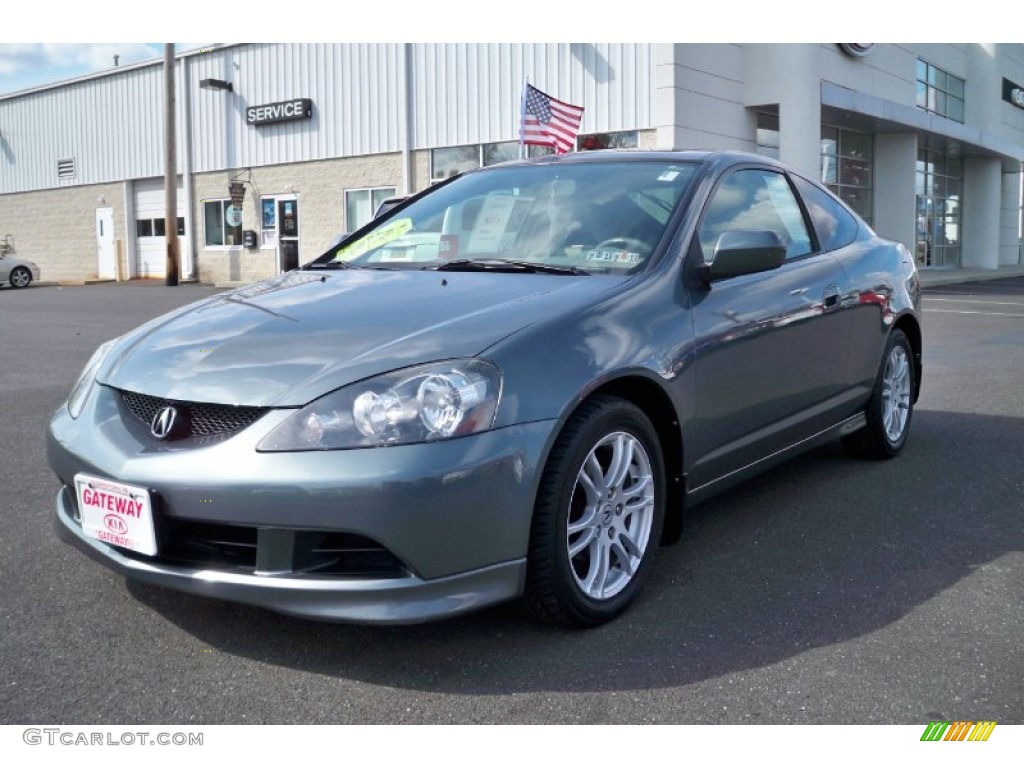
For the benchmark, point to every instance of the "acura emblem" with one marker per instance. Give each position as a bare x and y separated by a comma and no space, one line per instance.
164,422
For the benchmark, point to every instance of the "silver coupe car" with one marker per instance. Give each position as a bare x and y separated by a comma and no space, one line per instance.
510,385
18,273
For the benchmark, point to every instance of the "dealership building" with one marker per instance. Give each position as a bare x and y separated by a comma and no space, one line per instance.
283,146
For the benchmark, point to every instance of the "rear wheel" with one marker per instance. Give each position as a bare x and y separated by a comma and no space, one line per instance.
20,277
598,516
890,408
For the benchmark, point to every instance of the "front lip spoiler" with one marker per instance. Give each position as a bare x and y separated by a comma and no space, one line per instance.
407,600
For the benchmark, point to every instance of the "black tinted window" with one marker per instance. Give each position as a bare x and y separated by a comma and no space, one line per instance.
835,225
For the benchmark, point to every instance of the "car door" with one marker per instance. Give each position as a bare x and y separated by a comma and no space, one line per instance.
5,268
770,354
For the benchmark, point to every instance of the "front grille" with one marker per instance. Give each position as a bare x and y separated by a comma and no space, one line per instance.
202,419
237,547
207,544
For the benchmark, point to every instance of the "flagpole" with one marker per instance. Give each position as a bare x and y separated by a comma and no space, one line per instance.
522,119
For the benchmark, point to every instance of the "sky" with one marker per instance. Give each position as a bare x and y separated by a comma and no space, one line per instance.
26,65
39,47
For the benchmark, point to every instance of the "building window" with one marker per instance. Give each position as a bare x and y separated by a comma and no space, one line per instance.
768,135
939,92
939,187
450,161
218,231
847,168
501,152
156,227
618,140
361,204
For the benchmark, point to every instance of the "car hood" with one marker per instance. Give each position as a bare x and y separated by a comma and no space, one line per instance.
288,340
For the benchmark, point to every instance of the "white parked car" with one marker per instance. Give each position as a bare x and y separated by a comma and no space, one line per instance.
18,273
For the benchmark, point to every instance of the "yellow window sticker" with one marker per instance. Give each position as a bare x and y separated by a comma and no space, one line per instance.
374,239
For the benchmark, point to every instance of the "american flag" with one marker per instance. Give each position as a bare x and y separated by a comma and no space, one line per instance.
547,121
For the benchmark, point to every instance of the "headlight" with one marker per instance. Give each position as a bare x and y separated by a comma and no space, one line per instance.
79,393
414,405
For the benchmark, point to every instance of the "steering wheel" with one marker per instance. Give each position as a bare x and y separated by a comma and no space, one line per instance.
623,244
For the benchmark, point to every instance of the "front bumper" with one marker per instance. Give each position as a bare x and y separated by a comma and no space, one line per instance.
456,514
366,601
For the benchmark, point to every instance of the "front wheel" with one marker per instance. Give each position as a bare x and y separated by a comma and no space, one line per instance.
891,405
598,516
20,277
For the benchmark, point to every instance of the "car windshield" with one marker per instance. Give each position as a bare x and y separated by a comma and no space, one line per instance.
576,218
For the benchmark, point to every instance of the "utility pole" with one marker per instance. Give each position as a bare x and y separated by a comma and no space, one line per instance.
170,168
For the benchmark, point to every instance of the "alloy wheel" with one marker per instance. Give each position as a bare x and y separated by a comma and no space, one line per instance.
610,515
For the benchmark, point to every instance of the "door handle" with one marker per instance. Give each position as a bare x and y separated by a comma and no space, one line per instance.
831,297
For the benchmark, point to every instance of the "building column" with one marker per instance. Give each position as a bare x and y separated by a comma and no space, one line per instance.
895,209
1009,221
983,186
789,75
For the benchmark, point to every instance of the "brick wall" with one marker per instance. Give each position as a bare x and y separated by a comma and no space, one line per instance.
56,228
320,189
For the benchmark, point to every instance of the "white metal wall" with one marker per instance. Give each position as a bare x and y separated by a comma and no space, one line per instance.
467,93
112,126
459,94
355,91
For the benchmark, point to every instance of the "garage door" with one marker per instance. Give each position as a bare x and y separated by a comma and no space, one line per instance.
150,227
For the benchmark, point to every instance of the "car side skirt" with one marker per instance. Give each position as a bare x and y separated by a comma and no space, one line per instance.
845,427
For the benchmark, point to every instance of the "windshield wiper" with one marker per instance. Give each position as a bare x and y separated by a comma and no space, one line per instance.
333,265
505,265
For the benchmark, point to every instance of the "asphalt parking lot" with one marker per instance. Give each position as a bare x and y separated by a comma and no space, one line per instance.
831,591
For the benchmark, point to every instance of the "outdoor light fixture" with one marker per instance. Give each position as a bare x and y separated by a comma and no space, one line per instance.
210,84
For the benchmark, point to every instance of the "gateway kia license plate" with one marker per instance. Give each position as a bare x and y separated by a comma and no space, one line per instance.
116,513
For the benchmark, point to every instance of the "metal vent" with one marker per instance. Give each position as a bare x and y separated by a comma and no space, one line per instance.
66,168
203,419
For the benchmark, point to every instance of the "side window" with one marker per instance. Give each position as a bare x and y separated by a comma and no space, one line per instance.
835,225
755,198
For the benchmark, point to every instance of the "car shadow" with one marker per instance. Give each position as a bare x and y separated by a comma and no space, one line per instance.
822,550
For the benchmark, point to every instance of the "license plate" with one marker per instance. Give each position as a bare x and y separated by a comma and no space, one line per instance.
116,513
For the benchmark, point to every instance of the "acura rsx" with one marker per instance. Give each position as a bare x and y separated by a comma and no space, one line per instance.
509,385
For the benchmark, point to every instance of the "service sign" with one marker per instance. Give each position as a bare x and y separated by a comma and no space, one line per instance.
116,513
280,112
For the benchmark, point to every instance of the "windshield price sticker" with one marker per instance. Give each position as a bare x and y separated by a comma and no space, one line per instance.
116,514
374,239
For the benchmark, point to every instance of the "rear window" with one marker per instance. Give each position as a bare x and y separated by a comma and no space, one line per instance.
836,226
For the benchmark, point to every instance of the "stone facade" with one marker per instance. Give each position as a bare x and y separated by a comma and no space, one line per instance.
318,186
56,228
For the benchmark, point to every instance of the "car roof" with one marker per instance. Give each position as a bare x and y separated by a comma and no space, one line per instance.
717,158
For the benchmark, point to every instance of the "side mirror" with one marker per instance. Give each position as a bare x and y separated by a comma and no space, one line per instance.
744,252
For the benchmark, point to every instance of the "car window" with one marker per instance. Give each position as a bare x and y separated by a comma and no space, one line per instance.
835,225
595,216
754,198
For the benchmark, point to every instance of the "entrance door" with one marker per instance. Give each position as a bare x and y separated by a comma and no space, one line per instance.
288,234
106,265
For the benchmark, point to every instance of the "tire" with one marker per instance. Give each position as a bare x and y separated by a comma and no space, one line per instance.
591,545
20,277
891,405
